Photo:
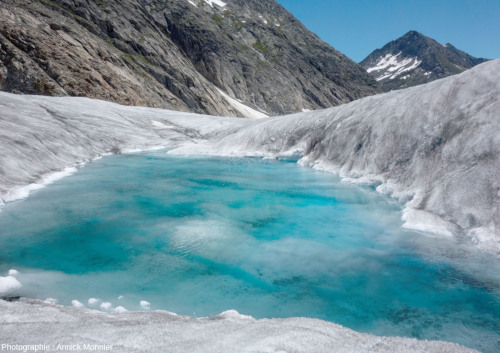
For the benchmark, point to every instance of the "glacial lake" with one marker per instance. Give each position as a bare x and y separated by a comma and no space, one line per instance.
201,235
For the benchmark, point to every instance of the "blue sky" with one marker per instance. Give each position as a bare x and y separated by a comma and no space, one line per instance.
357,27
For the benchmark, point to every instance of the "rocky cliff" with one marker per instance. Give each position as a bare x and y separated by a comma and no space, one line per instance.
203,56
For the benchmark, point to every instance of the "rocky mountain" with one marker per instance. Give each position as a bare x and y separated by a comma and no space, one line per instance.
232,58
414,59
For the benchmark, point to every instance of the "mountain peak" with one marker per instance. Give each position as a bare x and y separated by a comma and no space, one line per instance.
414,59
413,33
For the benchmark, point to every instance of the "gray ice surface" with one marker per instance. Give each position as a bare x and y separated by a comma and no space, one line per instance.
34,322
436,147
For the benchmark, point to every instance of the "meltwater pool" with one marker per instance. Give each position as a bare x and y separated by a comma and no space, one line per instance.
199,235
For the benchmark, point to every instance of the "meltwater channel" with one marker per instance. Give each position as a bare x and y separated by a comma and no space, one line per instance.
201,235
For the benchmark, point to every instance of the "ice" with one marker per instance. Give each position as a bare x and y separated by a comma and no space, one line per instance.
426,222
161,125
9,284
93,301
32,322
145,305
48,179
48,137
425,145
234,315
13,272
119,310
77,304
435,147
106,305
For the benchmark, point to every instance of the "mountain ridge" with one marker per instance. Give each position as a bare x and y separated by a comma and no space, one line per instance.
174,54
413,59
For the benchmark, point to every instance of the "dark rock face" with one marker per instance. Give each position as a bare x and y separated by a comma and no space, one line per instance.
174,54
415,59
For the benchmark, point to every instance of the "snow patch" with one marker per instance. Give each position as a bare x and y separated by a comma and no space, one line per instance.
216,2
13,272
391,67
384,62
145,305
245,110
50,301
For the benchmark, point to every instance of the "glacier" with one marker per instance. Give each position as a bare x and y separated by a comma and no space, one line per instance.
434,147
33,322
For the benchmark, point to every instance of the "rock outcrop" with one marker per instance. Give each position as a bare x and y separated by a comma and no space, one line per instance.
174,54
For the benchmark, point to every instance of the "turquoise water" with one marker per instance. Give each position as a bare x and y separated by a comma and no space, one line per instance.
198,236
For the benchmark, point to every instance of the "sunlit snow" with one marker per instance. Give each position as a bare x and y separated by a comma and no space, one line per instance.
210,2
243,109
391,67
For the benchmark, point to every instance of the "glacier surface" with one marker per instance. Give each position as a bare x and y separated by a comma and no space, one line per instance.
35,322
435,147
